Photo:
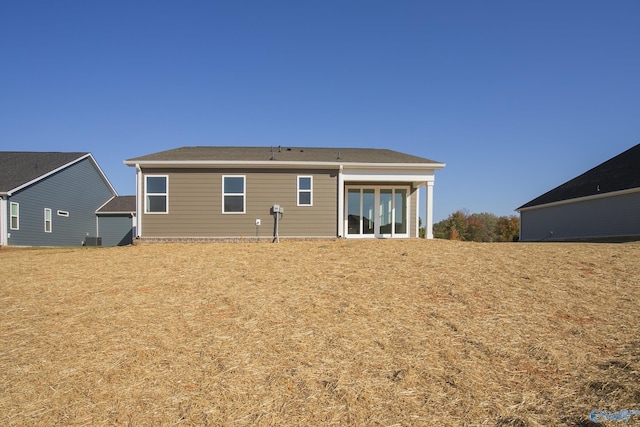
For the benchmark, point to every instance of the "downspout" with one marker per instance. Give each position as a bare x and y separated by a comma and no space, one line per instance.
341,202
139,196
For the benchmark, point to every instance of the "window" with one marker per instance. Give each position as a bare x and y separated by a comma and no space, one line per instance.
47,220
377,211
156,194
63,213
15,216
233,194
305,190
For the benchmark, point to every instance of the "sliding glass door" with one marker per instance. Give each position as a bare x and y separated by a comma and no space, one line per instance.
377,212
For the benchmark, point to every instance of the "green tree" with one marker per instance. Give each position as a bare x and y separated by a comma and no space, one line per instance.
439,230
478,227
456,226
508,229
481,227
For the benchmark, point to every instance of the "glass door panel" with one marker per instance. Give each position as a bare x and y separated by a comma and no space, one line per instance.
353,211
400,206
368,211
386,211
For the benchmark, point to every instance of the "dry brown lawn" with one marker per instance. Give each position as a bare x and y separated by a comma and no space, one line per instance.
380,333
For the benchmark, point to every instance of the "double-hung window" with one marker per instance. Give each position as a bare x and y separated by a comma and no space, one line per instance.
305,191
47,220
233,194
156,194
15,216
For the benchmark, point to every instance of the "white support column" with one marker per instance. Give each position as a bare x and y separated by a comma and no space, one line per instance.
340,202
429,211
139,201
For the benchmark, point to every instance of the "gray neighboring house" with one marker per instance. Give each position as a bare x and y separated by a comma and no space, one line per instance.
601,204
50,198
194,193
117,221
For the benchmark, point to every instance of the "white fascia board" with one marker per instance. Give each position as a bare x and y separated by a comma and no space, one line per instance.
388,175
229,164
104,204
418,167
281,164
582,199
104,176
116,213
41,177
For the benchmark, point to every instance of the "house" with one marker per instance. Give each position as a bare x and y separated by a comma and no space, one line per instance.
116,221
50,198
193,193
601,204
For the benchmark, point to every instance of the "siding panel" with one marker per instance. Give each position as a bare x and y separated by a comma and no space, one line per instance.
413,216
78,189
195,205
614,216
115,230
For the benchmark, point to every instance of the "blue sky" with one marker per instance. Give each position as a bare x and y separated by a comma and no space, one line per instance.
515,97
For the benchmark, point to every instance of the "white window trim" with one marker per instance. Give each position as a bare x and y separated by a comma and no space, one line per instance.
63,213
50,220
11,216
165,194
310,191
244,194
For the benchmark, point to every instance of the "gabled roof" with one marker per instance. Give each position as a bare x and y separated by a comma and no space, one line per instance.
300,155
119,205
21,168
621,172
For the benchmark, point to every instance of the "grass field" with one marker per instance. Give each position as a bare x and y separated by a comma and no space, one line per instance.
380,333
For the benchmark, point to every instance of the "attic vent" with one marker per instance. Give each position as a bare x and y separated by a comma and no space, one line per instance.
339,157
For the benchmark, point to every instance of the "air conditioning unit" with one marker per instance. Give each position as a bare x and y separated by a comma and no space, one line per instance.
93,241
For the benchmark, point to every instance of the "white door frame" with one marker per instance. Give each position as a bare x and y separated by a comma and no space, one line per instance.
376,214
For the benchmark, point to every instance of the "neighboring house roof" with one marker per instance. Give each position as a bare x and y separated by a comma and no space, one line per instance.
119,205
621,172
280,155
19,169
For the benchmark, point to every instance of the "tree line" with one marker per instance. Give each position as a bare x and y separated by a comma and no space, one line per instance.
478,227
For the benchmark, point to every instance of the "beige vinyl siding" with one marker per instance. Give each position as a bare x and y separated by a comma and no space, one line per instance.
413,216
195,204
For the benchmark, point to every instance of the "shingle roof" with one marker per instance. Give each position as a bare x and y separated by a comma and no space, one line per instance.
621,172
291,154
20,167
119,204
